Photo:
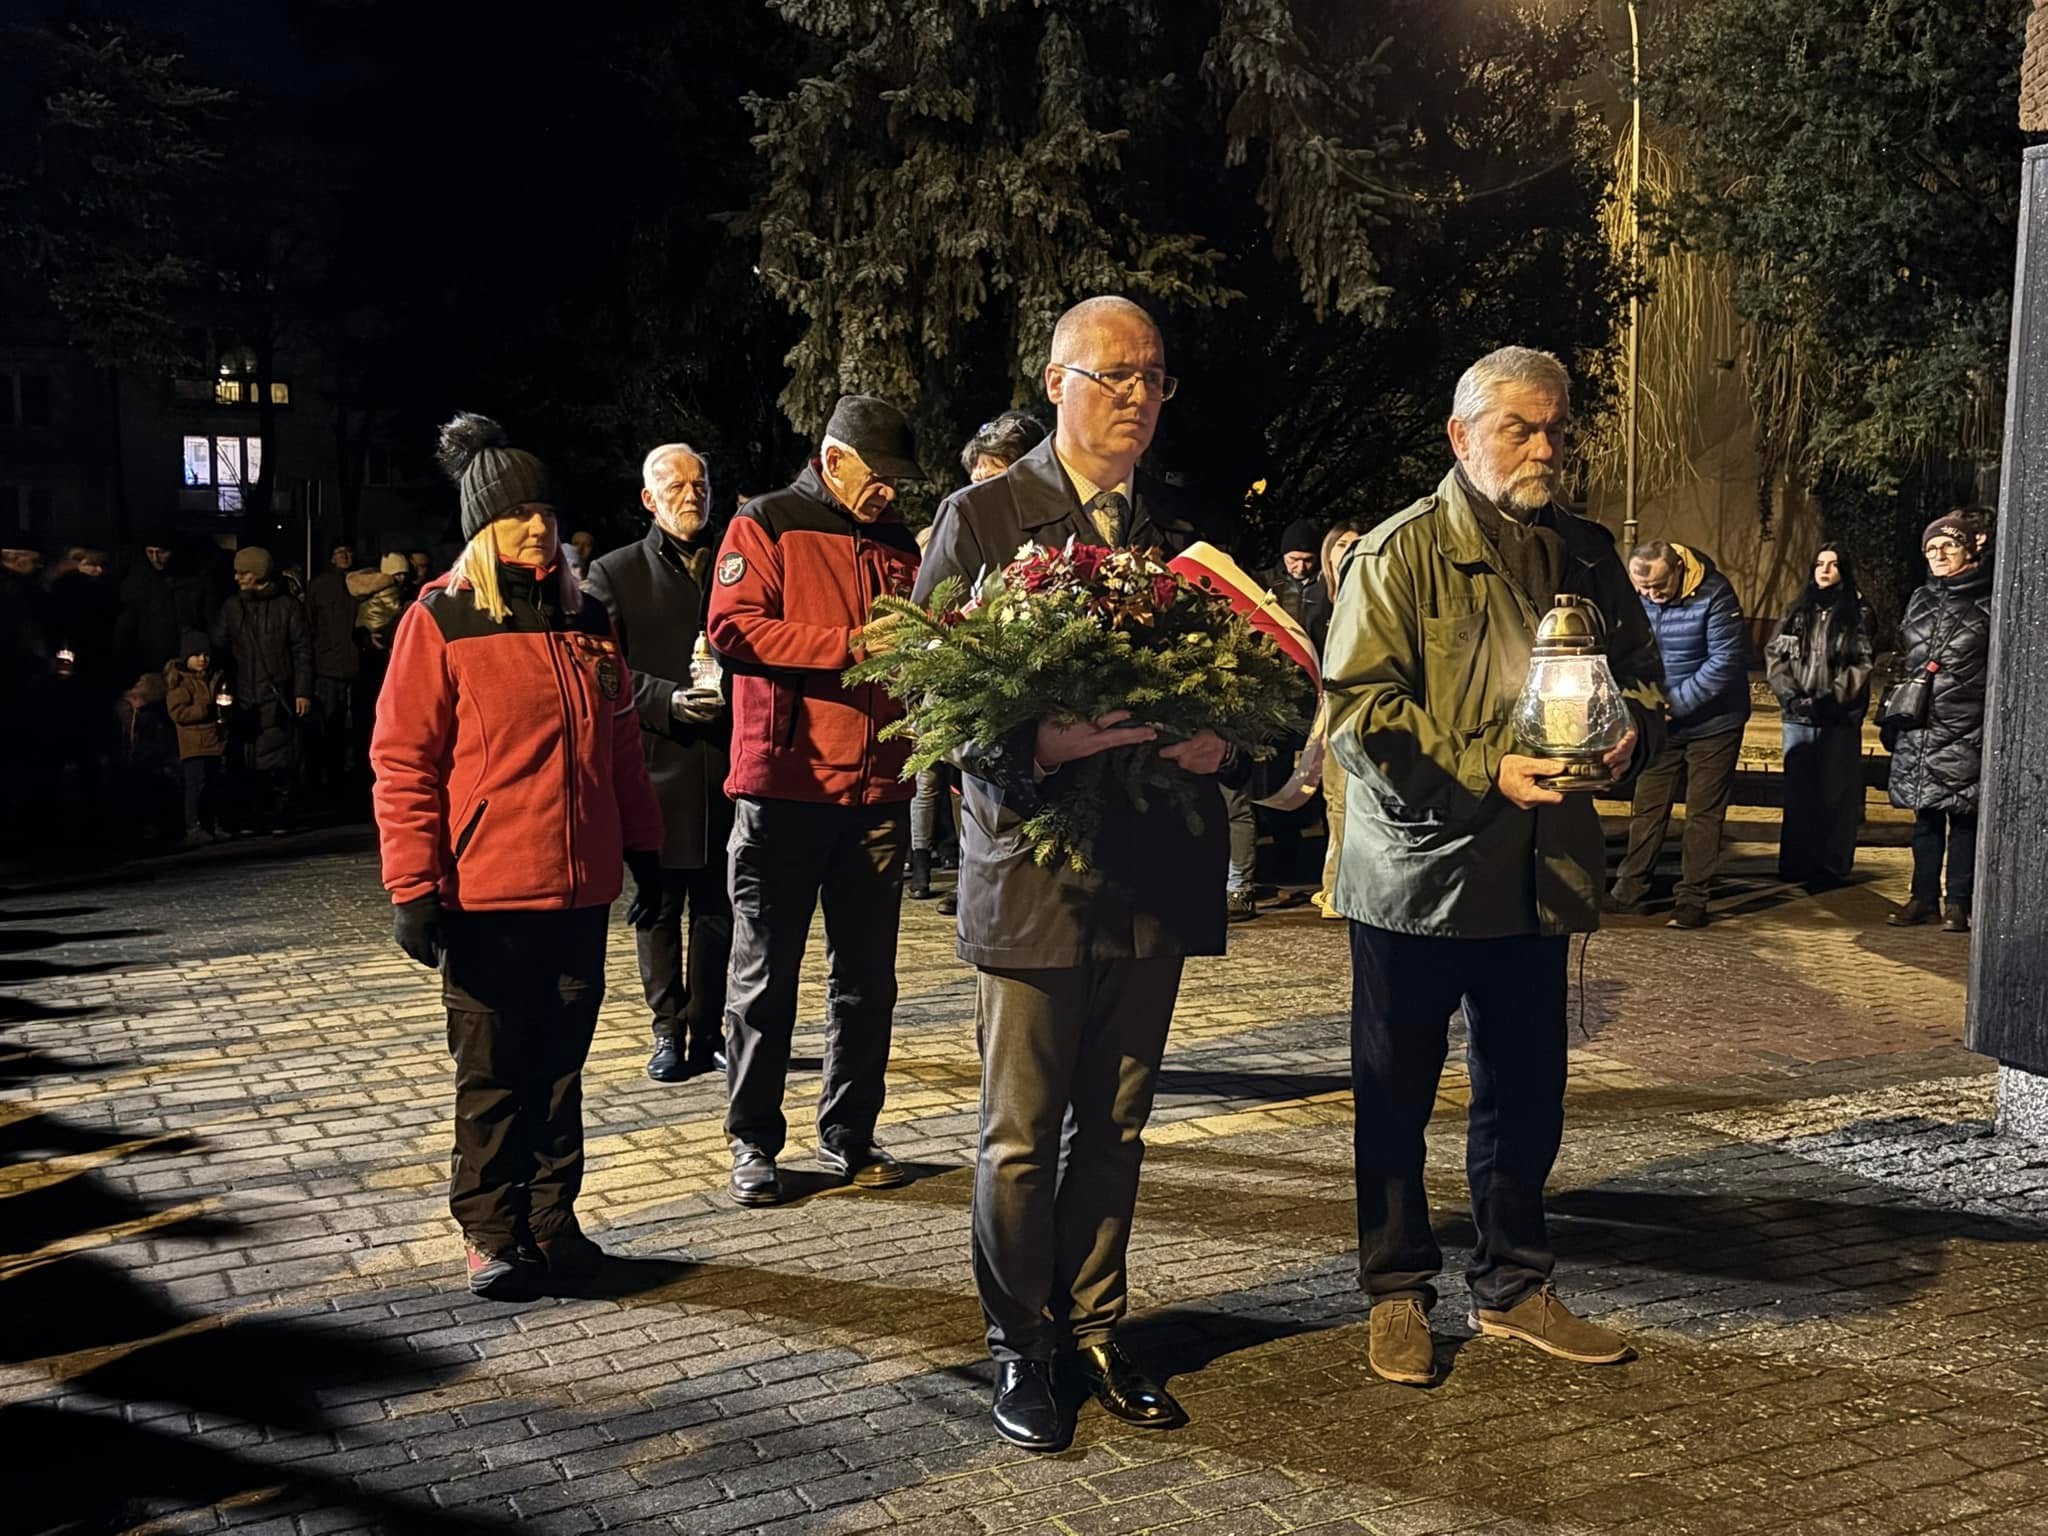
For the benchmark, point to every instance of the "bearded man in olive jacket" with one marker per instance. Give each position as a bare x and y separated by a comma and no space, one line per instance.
1078,969
1463,874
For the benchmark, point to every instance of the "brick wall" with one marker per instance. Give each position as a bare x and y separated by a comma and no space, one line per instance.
2034,72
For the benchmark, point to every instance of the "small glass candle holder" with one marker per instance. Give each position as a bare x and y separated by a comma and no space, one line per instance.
1570,708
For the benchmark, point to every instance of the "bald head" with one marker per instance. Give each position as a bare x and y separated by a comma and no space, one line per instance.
1071,336
1107,379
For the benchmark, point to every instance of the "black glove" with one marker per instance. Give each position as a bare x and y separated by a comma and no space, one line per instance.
645,906
416,924
696,706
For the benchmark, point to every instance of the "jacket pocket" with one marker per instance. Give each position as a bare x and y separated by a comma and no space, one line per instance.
469,827
1454,670
825,728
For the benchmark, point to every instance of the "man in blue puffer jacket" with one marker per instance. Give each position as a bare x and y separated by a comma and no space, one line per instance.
1700,633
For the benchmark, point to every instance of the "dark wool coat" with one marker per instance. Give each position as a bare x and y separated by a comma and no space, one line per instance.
1156,888
332,611
1948,622
656,595
157,607
263,639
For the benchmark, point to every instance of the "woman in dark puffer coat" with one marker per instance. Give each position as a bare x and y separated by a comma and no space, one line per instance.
1935,766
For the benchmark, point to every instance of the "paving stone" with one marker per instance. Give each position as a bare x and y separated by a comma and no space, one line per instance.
1780,1172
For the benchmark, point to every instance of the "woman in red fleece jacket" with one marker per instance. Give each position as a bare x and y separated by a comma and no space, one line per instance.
510,786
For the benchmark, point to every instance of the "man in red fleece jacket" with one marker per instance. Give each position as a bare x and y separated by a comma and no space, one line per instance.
821,810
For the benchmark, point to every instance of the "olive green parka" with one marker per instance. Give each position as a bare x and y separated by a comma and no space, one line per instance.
1428,648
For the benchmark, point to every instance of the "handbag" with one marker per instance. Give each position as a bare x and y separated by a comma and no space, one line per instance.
1905,703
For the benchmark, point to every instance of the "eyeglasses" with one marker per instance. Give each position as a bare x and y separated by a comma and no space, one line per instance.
1123,382
1942,547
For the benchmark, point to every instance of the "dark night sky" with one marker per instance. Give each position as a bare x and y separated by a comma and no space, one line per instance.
232,40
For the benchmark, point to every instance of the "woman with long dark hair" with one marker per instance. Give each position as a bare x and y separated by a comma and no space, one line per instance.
1819,667
510,787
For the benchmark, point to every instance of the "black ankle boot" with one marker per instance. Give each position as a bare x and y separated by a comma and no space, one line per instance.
920,874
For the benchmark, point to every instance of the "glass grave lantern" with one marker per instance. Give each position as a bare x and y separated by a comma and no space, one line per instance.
1571,708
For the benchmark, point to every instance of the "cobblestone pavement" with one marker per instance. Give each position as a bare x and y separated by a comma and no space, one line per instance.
230,1290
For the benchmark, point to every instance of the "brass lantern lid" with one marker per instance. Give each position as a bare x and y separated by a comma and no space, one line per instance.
1573,627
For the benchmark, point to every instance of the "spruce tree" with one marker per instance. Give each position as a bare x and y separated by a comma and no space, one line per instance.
1335,206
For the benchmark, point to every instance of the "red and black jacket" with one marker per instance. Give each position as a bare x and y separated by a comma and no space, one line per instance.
796,576
507,755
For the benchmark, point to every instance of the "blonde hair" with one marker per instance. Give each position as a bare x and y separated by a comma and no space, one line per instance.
477,569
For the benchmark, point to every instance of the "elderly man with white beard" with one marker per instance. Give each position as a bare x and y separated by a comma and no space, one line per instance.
656,592
1463,874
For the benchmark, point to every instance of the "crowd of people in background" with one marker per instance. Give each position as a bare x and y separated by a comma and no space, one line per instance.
544,724
201,694
204,694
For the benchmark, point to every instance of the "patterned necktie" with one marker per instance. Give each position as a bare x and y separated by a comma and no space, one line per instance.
1112,515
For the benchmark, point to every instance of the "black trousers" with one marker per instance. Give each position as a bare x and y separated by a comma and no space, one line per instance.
1931,830
202,792
1069,1062
684,980
788,856
330,731
1823,801
1403,989
1708,767
522,991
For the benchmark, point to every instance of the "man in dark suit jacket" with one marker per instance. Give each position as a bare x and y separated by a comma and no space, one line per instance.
656,591
1078,969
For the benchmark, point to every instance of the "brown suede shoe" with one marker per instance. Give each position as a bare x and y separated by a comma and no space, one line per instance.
1398,1344
1541,1319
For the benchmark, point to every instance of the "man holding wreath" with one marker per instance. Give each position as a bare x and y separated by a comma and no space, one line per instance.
1078,969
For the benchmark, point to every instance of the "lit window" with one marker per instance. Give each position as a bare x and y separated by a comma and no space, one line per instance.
280,392
227,392
227,472
226,464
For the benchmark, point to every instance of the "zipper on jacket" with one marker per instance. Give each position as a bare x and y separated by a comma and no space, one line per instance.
568,754
867,730
469,827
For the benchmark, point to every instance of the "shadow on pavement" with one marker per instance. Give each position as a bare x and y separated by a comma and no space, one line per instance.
153,1409
1202,1083
1178,1341
1814,1254
38,881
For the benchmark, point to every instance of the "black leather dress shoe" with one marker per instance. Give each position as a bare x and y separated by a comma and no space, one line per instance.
1028,1411
1124,1391
754,1179
666,1064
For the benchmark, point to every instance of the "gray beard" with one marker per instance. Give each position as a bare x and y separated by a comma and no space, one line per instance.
1508,499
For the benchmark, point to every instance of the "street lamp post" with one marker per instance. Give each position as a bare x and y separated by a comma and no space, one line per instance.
1629,524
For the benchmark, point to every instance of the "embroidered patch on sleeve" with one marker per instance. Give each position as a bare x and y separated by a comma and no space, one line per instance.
731,568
